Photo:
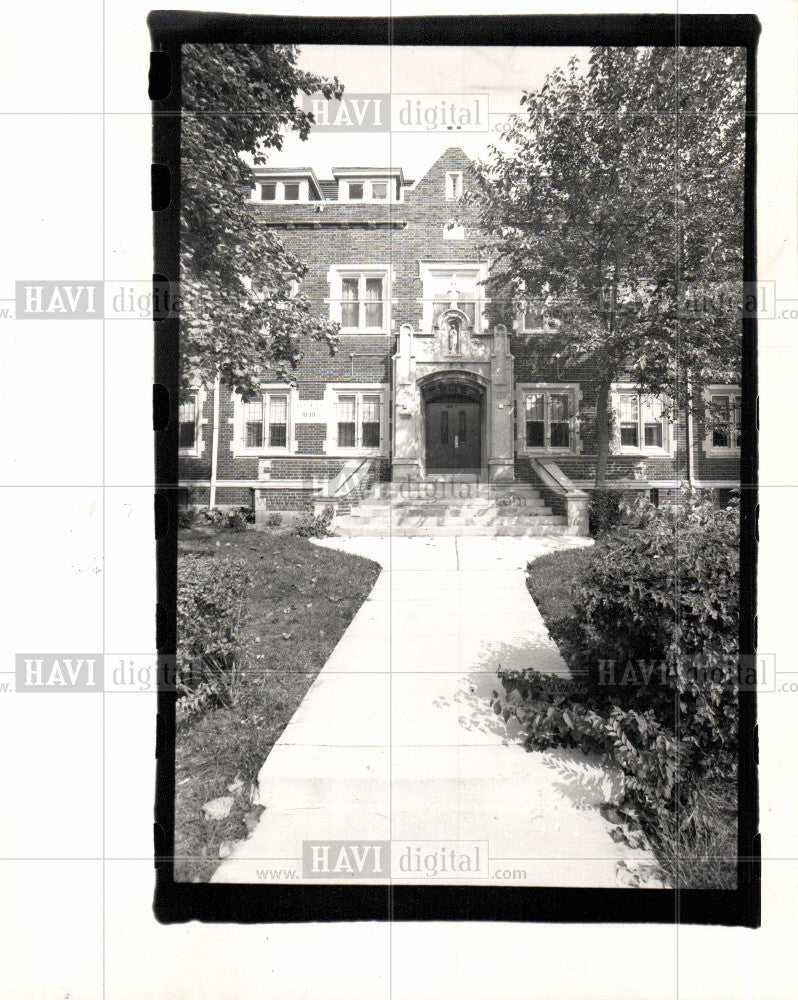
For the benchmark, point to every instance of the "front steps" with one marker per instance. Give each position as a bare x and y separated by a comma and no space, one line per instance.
451,507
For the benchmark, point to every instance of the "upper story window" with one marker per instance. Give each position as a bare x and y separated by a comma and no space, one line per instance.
381,186
723,420
288,189
360,298
452,286
548,421
454,186
643,424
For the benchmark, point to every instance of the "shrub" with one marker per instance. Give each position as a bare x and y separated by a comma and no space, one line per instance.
605,511
236,519
210,595
318,526
186,516
666,589
656,641
273,519
211,515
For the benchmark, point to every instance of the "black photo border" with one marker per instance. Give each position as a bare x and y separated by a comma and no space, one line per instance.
248,903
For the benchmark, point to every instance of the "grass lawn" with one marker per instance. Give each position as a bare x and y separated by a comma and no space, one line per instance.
550,580
301,599
707,857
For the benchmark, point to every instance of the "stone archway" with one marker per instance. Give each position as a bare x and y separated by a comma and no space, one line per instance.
454,422
469,370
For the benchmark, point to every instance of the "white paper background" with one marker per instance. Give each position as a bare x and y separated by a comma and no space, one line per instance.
78,573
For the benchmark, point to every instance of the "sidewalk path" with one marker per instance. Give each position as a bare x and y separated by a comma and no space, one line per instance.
395,739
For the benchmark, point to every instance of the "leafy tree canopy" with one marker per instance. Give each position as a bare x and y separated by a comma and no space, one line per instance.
242,314
617,203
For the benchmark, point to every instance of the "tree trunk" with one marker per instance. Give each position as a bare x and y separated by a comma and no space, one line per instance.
602,433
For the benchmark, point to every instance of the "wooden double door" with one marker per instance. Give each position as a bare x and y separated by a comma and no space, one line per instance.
454,435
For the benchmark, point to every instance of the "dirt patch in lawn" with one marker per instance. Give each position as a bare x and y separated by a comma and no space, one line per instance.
300,602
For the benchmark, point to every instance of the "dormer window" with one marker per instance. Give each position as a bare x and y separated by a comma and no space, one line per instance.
369,184
298,185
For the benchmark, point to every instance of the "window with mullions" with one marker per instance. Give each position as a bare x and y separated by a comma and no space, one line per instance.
363,302
641,420
266,422
187,417
724,416
358,419
548,419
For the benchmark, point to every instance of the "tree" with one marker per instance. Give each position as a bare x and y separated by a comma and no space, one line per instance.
616,202
241,314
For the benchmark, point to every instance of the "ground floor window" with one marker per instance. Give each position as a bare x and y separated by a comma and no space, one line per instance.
188,414
265,422
190,423
642,421
358,420
548,418
724,418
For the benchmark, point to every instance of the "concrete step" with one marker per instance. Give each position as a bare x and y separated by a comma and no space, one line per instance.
446,492
363,528
419,520
476,507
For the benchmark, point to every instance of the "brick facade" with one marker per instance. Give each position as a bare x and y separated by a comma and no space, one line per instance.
404,236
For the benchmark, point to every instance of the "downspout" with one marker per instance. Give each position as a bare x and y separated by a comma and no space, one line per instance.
690,476
214,443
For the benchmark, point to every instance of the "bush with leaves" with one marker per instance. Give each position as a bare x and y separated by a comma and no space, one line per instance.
605,510
315,526
237,519
186,515
665,589
210,599
659,603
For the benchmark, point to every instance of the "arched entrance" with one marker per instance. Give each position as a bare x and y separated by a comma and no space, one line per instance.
453,422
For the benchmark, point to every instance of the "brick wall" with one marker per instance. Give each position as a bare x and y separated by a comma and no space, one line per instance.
402,235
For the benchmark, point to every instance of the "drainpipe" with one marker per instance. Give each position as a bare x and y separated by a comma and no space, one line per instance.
215,443
690,471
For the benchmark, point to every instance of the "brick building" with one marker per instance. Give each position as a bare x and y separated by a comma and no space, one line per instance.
424,382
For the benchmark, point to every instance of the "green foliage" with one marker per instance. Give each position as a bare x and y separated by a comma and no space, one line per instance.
274,519
211,516
654,649
239,518
210,595
605,510
239,315
318,526
590,228
186,516
666,589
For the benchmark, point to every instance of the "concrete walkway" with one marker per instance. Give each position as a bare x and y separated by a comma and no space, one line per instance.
395,740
